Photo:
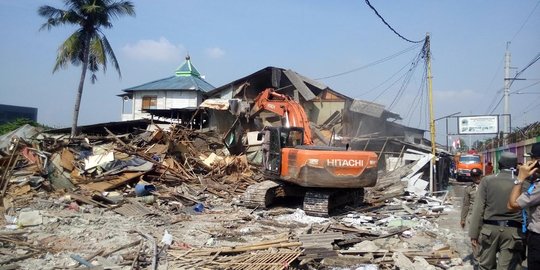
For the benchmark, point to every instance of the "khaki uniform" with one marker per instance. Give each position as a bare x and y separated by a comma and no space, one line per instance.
497,229
469,195
468,201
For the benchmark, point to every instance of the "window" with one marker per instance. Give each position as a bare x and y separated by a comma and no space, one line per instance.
149,102
469,159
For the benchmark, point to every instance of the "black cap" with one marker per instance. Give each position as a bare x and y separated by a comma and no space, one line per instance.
476,172
535,150
507,160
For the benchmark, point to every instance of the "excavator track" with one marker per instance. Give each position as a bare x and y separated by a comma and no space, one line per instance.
261,194
317,202
322,203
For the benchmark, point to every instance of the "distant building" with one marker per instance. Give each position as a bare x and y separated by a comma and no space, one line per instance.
9,113
173,98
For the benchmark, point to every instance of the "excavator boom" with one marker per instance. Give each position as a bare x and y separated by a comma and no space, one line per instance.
282,105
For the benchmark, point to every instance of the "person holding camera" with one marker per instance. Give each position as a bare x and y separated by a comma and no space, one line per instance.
530,199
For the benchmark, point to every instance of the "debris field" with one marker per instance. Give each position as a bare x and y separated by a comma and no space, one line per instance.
172,199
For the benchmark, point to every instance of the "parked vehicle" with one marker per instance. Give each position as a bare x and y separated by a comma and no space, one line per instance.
464,165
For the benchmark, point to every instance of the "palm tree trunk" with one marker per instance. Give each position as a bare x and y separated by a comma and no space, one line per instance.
80,90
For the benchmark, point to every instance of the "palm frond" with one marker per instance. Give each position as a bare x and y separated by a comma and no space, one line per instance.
109,51
90,16
93,67
54,16
98,51
69,51
120,8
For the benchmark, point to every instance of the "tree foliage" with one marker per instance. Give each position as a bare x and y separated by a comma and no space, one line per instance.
17,123
87,46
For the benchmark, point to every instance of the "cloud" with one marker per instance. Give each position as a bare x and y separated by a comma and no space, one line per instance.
161,50
215,52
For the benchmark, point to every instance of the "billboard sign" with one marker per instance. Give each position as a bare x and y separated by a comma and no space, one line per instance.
483,124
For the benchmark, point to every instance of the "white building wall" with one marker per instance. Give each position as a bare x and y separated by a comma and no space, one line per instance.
165,100
181,99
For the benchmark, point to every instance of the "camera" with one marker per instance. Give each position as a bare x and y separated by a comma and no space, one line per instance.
537,165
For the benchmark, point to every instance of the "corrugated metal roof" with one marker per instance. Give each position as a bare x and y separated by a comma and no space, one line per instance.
366,107
372,109
299,84
186,78
175,83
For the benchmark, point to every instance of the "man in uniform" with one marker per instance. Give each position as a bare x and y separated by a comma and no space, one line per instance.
468,200
493,228
469,194
530,199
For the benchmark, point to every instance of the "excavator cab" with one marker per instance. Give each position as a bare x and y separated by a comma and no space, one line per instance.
275,139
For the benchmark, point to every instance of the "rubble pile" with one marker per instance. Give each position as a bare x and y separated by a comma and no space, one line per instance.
168,199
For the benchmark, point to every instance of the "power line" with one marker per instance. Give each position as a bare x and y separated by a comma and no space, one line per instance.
498,103
523,88
406,82
395,32
534,60
493,100
385,81
417,98
490,83
393,83
372,63
526,20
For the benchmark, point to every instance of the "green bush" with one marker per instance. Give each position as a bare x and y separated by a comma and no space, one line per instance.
17,123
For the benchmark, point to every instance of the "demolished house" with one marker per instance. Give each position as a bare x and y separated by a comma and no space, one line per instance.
107,196
334,118
106,200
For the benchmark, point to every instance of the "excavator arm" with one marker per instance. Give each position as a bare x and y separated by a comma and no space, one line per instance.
284,106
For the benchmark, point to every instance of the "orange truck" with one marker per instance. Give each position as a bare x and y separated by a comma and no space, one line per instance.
465,163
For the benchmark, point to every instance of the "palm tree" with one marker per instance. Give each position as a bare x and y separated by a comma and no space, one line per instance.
87,46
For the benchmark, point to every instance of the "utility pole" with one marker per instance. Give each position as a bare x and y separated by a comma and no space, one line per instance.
507,82
431,115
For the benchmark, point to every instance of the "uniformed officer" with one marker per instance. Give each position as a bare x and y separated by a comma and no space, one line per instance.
468,195
468,200
529,199
493,228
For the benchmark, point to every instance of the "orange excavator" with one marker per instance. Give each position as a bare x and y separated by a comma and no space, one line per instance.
326,177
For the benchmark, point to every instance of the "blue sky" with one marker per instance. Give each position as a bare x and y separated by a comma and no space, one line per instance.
230,39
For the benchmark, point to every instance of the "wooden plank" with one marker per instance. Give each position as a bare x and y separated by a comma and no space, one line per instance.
114,183
86,200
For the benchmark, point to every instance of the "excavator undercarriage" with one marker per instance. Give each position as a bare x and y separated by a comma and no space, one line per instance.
316,201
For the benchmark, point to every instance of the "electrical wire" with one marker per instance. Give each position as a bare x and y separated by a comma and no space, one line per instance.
405,84
372,63
531,106
523,88
385,81
417,97
491,82
525,22
384,21
534,60
498,103
493,100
